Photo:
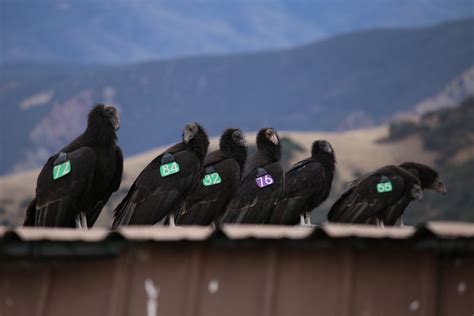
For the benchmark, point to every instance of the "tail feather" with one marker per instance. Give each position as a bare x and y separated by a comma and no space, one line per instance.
30,214
59,213
340,207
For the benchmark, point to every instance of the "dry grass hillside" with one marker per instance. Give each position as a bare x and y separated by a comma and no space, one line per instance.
357,152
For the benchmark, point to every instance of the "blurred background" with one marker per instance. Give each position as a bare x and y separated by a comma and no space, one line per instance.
385,81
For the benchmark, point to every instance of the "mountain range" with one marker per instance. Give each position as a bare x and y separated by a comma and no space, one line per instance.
346,81
124,31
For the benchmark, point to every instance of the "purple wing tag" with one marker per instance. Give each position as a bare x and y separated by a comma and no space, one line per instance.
264,181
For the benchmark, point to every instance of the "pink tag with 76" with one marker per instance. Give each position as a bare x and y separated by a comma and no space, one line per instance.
264,181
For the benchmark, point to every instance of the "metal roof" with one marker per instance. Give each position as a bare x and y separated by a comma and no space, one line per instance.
347,270
440,230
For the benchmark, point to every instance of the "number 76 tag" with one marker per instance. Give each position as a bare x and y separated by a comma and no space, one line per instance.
264,181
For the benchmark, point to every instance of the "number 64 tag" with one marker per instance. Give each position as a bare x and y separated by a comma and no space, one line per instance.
264,181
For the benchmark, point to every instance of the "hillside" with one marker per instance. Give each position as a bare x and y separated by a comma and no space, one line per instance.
450,133
357,152
348,81
455,92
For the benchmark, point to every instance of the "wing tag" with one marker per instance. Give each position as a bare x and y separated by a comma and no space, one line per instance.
263,179
61,170
384,186
211,179
169,168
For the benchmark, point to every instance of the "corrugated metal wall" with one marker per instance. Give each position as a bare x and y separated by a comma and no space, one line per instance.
351,276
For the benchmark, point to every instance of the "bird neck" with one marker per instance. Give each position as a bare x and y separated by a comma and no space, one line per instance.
101,134
273,153
199,147
240,155
328,161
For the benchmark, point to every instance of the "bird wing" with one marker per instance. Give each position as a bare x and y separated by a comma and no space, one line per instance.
363,201
216,157
94,213
298,165
58,201
207,202
303,183
393,213
304,179
253,204
257,160
153,196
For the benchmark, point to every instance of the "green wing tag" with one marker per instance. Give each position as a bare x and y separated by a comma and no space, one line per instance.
169,168
384,187
62,169
211,179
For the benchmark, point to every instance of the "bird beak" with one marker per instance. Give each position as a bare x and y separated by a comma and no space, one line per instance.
439,187
115,116
274,139
187,136
328,148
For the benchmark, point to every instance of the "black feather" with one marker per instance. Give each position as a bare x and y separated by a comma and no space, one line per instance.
426,174
252,204
361,201
207,203
428,179
307,185
96,172
152,197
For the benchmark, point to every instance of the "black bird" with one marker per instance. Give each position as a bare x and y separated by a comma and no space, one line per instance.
262,183
163,185
429,179
74,185
370,195
307,185
223,170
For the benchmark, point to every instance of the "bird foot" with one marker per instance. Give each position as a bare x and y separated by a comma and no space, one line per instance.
81,221
78,222
171,218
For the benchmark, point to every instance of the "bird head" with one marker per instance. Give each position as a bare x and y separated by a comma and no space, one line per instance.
429,178
438,186
190,131
272,136
321,146
104,114
238,137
